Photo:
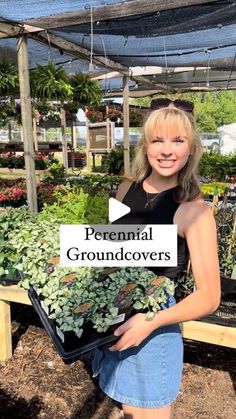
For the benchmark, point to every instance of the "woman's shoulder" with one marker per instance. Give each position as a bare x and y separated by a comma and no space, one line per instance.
123,188
197,204
195,208
196,212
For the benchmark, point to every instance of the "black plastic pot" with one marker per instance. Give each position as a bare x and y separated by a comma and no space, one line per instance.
67,344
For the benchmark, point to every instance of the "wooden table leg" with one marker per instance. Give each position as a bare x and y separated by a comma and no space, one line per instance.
94,161
5,331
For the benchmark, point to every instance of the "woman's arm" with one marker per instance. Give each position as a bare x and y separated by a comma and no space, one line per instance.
200,232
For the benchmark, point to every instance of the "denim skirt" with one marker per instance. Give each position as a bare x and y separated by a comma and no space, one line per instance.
147,376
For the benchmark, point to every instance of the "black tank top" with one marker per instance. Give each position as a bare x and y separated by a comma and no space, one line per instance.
160,210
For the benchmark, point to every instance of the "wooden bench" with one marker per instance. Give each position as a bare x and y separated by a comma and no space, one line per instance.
195,330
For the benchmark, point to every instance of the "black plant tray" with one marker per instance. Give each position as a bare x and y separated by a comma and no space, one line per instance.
10,281
219,317
68,345
225,315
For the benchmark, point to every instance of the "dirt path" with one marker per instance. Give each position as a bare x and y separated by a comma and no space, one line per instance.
35,383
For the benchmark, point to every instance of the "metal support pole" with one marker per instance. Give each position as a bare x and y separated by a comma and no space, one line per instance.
26,116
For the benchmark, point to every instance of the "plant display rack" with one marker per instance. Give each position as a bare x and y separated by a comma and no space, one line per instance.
75,160
195,330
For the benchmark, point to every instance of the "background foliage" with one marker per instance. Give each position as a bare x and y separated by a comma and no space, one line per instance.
212,109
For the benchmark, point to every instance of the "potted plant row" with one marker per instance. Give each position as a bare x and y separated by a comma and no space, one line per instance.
225,216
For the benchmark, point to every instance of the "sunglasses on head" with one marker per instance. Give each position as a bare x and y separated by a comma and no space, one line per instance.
183,105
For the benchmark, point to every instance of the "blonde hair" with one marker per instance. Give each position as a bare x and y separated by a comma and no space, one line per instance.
187,177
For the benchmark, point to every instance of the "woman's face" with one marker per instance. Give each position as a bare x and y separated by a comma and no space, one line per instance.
169,150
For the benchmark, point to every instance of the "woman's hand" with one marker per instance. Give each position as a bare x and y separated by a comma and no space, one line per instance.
133,332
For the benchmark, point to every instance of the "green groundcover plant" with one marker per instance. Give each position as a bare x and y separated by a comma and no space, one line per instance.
85,294
9,220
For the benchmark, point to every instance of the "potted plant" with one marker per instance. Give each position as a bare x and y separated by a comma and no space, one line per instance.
45,111
91,115
50,83
7,111
9,81
86,92
136,118
114,163
114,114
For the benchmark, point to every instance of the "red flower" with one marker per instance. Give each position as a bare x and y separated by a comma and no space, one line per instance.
2,197
16,193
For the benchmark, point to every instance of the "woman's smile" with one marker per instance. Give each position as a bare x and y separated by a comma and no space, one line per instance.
166,163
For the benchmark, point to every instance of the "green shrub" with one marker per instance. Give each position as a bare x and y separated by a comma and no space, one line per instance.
217,166
55,172
114,164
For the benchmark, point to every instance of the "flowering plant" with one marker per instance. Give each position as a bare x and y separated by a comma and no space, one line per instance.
114,115
15,195
12,196
13,161
91,115
43,111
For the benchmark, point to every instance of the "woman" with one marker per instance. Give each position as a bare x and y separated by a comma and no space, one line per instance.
143,369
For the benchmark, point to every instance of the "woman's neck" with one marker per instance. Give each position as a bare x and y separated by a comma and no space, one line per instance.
154,183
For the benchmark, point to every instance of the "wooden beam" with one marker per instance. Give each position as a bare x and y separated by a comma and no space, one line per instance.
8,29
209,333
111,11
138,93
81,52
78,51
26,116
126,125
5,331
14,294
